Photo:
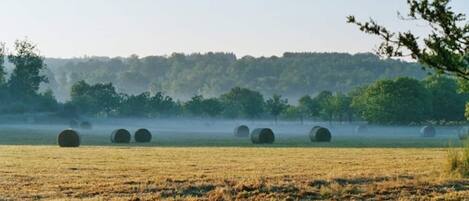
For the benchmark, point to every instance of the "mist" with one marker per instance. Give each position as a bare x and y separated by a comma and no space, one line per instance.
181,132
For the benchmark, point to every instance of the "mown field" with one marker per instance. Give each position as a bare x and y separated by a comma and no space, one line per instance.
209,163
151,173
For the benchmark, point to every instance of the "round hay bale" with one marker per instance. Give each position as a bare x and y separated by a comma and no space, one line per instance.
262,136
361,129
73,123
120,136
428,131
142,135
85,125
320,134
463,133
68,138
241,131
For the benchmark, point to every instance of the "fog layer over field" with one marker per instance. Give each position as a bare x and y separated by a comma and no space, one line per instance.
210,132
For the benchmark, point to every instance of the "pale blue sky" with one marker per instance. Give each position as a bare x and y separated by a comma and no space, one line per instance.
155,27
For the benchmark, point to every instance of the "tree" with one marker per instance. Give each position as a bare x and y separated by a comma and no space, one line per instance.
2,67
447,103
308,107
3,90
212,107
194,105
212,74
276,105
358,101
98,99
293,112
400,101
241,101
323,100
26,78
445,49
135,105
161,104
340,106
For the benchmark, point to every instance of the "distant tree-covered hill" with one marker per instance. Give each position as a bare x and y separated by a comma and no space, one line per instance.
210,74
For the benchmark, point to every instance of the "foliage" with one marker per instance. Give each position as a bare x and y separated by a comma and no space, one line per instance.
276,105
445,49
400,101
2,67
308,107
212,74
20,92
25,79
242,102
194,105
95,99
447,103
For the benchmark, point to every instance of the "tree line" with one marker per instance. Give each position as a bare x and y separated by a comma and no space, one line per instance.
401,100
211,74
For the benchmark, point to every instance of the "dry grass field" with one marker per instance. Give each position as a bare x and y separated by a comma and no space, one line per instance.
149,173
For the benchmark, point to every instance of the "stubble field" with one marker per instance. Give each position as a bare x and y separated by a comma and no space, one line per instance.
149,173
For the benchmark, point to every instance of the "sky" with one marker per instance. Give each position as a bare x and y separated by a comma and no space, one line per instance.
75,28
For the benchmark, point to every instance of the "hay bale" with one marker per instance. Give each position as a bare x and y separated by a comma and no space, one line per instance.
73,123
120,136
262,136
320,134
85,125
142,135
68,138
428,131
241,131
361,129
463,133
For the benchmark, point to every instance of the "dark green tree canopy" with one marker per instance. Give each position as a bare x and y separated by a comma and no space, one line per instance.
400,101
249,103
26,77
276,105
95,99
447,103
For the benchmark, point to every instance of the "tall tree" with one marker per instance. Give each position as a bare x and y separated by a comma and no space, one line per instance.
212,107
400,101
99,99
447,103
445,49
323,100
276,105
340,106
194,105
308,107
242,101
26,78
2,67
